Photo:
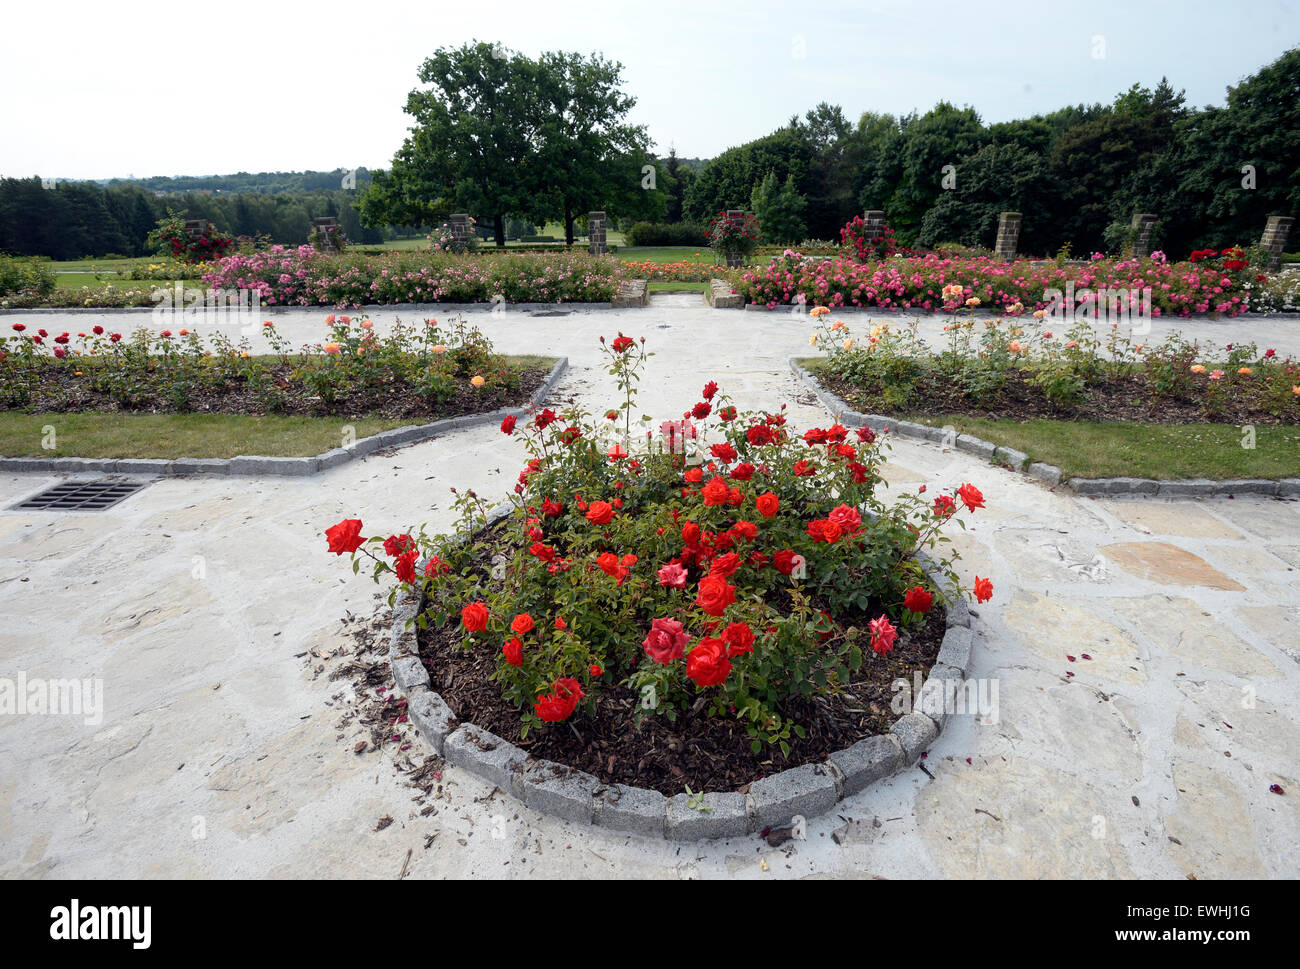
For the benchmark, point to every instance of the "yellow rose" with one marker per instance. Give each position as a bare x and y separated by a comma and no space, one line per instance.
477,381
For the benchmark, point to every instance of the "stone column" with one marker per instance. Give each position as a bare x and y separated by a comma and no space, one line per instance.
873,223
458,222
1008,236
196,228
1144,223
1276,230
596,234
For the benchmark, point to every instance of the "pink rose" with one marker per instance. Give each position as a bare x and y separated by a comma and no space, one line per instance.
672,576
666,641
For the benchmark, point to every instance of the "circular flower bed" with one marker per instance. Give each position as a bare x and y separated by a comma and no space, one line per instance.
708,576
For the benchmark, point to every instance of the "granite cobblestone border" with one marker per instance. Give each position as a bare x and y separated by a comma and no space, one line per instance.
573,795
268,311
1049,474
254,465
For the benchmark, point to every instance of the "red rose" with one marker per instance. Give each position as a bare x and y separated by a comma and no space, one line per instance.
436,566
508,424
814,436
522,624
866,435
783,561
701,410
623,343
710,389
666,641
724,564
715,595
600,513
690,533
742,472
395,545
727,414
514,651
760,434
716,492
883,635
918,599
739,639
746,530
983,589
804,469
545,418
970,496
551,509
560,703
693,476
405,566
723,452
345,536
848,519
944,506
707,664
768,505
475,617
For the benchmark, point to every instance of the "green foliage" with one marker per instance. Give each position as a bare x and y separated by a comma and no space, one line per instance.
663,234
778,208
25,277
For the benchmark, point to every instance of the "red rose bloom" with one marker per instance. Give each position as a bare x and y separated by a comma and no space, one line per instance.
783,561
866,435
545,418
716,492
710,389
522,624
715,595
727,414
739,639
560,703
724,565
514,651
760,434
768,505
345,536
742,472
623,343
690,533
848,519
395,545
746,530
551,509
508,424
405,566
971,496
693,476
600,513
723,452
475,616
707,664
804,469
944,506
983,589
918,599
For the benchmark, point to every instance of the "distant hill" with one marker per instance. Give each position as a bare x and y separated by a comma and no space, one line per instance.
259,183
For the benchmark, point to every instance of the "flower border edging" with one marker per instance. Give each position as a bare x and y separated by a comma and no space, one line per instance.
573,795
1047,473
245,464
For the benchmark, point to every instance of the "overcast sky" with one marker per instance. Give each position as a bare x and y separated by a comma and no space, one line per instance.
96,90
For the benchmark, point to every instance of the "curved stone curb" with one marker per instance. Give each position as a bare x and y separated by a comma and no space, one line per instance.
485,306
1047,473
246,464
565,792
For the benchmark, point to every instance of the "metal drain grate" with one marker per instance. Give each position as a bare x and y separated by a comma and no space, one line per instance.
81,496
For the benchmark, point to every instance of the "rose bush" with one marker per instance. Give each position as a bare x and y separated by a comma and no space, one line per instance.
718,565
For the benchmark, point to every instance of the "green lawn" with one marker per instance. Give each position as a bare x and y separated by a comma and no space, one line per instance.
1102,450
177,435
701,254
102,279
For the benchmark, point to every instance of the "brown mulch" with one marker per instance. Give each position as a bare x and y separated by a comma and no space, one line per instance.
61,391
696,751
1127,399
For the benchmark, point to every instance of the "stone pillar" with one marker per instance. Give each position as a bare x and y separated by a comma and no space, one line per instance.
1276,230
327,234
1008,236
1144,223
196,228
596,234
873,223
458,222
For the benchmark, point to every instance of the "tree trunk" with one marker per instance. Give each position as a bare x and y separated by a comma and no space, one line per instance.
499,225
568,224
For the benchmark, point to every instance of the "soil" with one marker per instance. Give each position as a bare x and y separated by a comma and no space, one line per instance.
1126,399
706,754
61,392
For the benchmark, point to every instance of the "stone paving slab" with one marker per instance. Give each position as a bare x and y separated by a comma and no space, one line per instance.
203,603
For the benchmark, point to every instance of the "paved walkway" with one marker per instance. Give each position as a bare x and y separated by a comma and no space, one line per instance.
211,612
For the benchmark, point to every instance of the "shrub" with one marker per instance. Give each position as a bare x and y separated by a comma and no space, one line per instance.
866,248
171,241
25,277
728,581
665,234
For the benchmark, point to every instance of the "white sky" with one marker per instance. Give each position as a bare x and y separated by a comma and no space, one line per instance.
96,90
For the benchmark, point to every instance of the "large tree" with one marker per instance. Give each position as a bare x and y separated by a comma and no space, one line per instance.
472,138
